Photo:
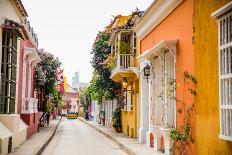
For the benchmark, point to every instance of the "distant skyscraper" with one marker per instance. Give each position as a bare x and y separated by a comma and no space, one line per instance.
75,80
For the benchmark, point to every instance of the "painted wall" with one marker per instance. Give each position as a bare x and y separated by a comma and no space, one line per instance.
129,118
23,44
206,63
32,121
178,25
7,11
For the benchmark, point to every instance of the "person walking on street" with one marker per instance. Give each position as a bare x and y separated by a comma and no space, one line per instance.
48,117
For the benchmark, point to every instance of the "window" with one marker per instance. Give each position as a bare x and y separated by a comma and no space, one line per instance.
8,71
163,107
128,97
225,75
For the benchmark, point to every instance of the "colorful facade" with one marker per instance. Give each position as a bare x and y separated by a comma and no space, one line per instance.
27,95
13,129
70,98
176,38
165,38
212,23
123,49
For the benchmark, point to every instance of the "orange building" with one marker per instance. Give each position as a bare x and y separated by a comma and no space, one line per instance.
165,41
185,49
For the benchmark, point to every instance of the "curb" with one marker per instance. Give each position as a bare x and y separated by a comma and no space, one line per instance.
41,149
121,145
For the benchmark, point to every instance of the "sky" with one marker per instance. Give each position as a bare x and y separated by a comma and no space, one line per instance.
67,28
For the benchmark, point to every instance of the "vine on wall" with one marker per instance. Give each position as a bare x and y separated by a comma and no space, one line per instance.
182,136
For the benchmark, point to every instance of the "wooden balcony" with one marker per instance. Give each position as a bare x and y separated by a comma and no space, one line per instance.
125,67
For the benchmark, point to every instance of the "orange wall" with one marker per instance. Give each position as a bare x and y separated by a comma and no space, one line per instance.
178,25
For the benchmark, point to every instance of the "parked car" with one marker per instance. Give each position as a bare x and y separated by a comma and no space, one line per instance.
72,115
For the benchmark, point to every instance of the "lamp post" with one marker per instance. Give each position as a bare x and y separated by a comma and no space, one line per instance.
146,71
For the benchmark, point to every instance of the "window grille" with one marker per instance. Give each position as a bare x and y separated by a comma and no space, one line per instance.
225,75
8,71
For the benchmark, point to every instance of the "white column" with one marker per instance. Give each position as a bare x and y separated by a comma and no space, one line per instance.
17,76
24,78
144,106
29,81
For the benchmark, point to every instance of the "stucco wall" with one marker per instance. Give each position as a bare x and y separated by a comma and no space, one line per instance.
129,118
206,60
32,121
178,25
7,11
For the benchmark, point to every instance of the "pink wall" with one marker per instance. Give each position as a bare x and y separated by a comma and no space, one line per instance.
30,119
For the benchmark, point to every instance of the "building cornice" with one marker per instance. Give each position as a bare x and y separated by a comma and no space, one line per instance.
170,45
156,13
19,7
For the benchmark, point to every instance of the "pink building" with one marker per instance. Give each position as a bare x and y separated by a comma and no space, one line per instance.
70,99
27,96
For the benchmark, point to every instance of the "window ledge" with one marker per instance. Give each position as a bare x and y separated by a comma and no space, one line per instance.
229,138
221,11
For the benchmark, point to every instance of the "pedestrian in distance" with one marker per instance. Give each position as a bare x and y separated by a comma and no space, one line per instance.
48,118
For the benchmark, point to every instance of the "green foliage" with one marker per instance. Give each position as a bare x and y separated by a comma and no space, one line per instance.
183,136
101,86
124,47
111,62
45,76
49,65
85,96
57,98
39,78
116,119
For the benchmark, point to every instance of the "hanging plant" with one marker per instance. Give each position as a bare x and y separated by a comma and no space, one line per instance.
111,61
123,47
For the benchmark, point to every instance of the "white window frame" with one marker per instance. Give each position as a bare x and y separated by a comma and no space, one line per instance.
128,99
224,50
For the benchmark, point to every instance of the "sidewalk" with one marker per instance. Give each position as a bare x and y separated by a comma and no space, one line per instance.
131,146
37,142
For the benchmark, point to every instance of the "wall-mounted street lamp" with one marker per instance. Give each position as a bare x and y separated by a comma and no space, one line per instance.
125,85
147,70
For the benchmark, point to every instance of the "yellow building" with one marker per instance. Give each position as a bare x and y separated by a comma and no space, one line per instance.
125,71
214,100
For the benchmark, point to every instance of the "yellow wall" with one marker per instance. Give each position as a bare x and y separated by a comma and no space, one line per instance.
206,71
129,118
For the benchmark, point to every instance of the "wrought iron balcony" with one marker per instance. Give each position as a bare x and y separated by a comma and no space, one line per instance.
29,105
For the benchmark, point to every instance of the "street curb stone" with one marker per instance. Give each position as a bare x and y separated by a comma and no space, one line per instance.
122,146
39,150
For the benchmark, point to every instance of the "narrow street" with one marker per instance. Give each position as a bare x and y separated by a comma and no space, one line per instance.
75,137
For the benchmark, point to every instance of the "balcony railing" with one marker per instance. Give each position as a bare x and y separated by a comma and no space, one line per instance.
29,105
123,62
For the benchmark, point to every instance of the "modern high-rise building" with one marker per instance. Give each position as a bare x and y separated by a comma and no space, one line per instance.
75,80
